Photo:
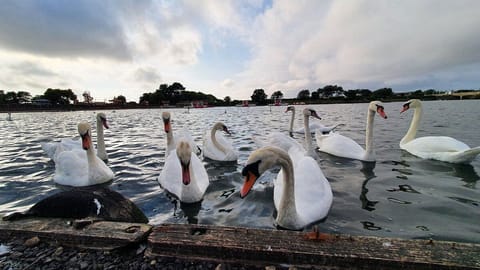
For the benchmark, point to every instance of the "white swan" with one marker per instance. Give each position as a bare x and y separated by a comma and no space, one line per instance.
216,146
434,147
314,127
73,169
184,174
302,194
182,135
285,142
341,146
53,149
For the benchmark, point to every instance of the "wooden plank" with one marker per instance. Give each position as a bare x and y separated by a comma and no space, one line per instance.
266,247
99,235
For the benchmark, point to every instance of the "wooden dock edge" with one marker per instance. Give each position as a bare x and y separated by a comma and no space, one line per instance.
98,235
251,246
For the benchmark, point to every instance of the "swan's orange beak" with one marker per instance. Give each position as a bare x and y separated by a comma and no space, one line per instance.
381,112
250,179
167,126
86,141
185,173
104,123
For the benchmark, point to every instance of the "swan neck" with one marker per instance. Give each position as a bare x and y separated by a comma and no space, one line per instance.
215,142
308,135
291,121
412,130
287,212
100,141
369,136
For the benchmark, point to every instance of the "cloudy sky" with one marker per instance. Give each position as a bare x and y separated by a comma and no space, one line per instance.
231,47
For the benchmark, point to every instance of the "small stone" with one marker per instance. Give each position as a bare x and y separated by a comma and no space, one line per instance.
32,242
83,265
58,251
270,267
153,262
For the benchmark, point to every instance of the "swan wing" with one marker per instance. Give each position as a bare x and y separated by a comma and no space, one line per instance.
71,168
339,145
212,152
52,149
279,140
170,177
441,148
313,194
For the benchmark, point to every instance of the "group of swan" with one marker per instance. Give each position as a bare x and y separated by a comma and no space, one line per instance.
314,127
76,163
183,174
302,194
52,149
81,167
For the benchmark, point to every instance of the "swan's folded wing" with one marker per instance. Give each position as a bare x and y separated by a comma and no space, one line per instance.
170,177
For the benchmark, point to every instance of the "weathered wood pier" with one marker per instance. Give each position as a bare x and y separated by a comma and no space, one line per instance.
252,246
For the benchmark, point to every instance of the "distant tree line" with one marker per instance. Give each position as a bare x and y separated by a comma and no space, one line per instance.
174,94
337,93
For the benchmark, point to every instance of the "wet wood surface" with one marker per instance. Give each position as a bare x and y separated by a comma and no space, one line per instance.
313,250
98,235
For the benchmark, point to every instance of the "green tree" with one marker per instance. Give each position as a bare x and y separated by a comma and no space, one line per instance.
121,100
59,96
303,94
277,95
259,97
227,100
24,97
11,97
382,93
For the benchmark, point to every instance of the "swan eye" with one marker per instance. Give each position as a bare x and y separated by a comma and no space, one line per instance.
253,168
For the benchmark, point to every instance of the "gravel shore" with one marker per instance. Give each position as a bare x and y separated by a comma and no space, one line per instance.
34,254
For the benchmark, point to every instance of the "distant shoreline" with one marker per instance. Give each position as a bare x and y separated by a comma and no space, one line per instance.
34,108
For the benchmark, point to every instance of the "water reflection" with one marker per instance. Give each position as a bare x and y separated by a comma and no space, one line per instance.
367,170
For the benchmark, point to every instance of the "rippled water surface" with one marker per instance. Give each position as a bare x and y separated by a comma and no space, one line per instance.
400,196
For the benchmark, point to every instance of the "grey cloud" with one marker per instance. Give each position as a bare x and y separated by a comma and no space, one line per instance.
63,28
148,75
31,69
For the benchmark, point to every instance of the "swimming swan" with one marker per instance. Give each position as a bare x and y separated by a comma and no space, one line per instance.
285,142
181,135
73,169
184,174
314,127
341,146
434,147
216,146
302,194
54,148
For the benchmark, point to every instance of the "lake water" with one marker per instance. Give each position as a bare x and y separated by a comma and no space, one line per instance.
401,196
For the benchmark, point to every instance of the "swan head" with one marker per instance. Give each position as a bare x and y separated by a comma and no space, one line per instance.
103,119
412,103
311,112
84,131
258,162
290,109
166,121
184,153
220,126
377,107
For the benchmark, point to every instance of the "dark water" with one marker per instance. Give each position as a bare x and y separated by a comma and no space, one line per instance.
400,196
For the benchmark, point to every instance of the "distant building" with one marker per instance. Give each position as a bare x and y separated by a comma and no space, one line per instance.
41,102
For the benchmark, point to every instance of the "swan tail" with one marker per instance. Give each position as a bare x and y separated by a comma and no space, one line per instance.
466,156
